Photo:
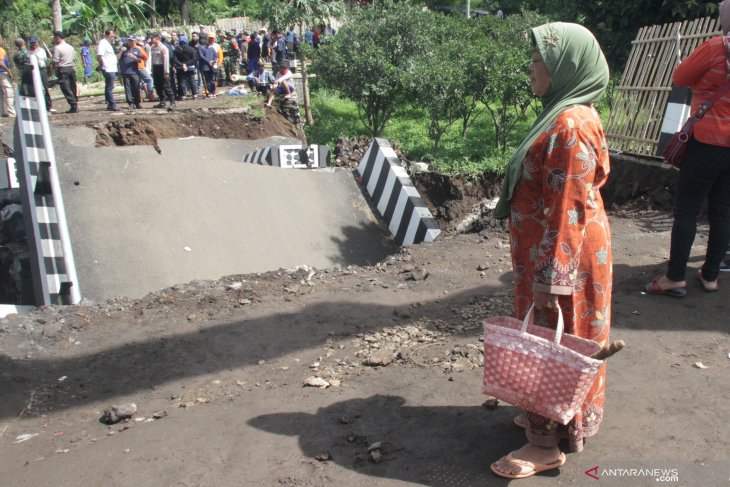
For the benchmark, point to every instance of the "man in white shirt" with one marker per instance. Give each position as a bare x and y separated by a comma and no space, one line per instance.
108,62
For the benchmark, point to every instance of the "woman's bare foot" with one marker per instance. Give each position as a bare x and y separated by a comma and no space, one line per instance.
709,286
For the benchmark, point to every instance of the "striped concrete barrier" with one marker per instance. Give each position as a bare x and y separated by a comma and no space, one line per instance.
395,196
677,112
291,156
49,244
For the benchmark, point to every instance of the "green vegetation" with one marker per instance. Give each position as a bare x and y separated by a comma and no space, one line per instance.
457,104
337,117
448,90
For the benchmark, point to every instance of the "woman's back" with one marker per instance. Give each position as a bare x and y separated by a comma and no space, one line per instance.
705,71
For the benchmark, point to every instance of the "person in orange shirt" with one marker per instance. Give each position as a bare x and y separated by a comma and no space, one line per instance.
705,172
142,66
129,57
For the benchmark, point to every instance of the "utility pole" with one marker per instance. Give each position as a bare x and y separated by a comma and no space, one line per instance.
468,9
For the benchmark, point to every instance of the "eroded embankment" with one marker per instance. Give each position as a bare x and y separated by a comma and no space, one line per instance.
147,129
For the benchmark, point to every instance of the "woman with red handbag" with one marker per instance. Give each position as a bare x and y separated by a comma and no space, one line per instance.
705,171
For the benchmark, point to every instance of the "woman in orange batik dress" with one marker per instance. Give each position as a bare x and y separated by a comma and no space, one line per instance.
559,232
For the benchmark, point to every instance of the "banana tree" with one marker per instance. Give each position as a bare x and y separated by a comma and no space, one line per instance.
95,16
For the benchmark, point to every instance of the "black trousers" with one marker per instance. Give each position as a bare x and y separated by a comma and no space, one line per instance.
209,80
705,175
162,84
46,93
67,81
173,81
26,84
131,89
186,81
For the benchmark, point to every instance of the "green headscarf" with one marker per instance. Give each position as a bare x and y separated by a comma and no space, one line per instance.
578,76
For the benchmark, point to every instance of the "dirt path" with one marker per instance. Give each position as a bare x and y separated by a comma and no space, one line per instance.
222,364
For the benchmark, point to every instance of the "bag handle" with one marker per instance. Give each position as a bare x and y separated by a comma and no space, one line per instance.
715,97
530,319
723,89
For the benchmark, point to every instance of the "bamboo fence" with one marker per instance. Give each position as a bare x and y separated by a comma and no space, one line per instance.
638,109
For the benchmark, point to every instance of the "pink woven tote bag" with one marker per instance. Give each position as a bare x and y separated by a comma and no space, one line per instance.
536,368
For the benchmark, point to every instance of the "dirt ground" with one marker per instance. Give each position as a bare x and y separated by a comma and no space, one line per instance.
217,370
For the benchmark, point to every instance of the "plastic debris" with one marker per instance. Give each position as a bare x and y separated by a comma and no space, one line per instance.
700,365
187,249
24,437
62,378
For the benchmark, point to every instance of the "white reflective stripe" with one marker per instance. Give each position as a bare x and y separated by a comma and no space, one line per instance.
674,117
412,227
364,162
398,213
51,248
387,191
44,216
431,234
54,282
375,173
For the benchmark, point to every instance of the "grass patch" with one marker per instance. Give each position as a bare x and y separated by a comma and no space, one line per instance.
408,129
334,117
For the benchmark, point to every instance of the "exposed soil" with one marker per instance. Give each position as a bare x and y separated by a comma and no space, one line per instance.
220,124
217,371
456,203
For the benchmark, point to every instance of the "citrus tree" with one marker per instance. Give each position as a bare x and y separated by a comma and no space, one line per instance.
371,58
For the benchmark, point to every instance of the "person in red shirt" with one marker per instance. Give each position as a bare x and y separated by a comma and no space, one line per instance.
705,172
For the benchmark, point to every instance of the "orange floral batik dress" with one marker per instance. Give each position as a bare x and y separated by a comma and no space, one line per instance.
561,244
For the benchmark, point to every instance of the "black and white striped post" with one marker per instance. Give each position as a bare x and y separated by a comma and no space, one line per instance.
52,262
291,156
397,199
677,112
678,107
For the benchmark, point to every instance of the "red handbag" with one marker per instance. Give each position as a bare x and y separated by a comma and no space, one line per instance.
676,148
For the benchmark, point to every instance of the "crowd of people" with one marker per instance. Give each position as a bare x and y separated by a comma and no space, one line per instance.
162,67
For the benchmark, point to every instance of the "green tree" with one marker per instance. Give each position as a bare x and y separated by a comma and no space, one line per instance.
22,17
370,57
439,79
503,82
616,23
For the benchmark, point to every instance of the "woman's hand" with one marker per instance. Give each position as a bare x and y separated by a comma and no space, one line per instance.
545,300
